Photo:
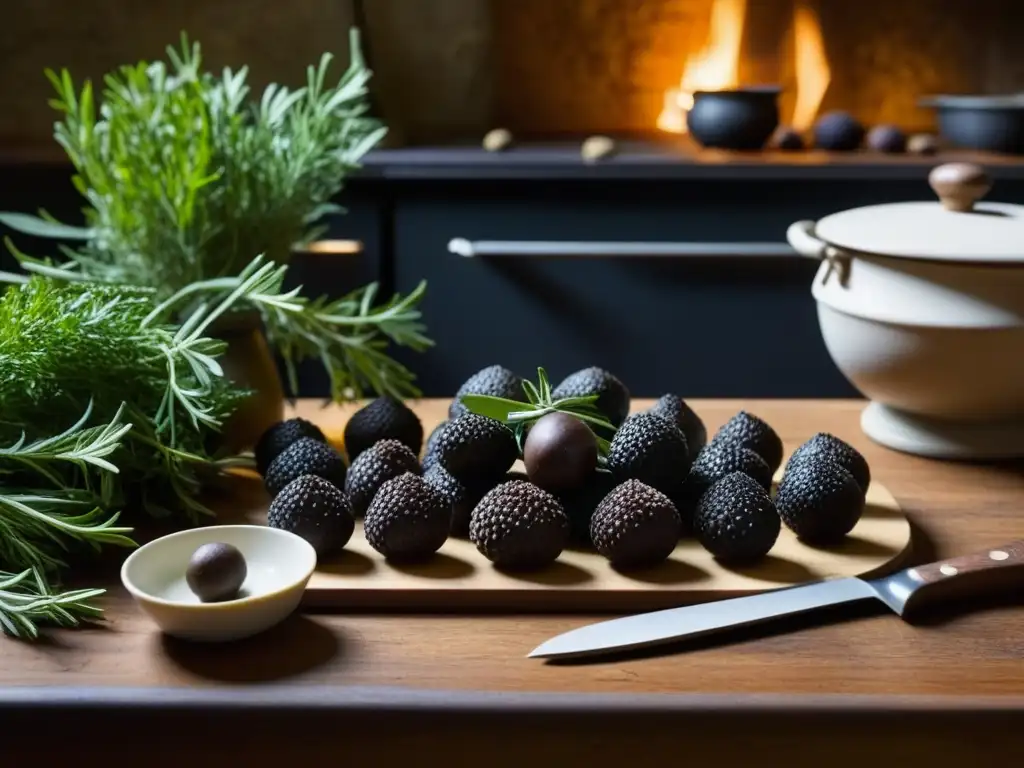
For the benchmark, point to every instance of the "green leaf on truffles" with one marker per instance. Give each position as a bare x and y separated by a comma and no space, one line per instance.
492,407
518,415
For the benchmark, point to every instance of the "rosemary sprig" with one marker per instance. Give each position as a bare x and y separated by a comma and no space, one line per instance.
540,403
27,601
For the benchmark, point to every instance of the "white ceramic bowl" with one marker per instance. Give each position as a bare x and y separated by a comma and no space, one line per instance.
279,565
921,307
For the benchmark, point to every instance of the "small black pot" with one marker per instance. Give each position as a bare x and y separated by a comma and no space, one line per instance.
743,118
987,123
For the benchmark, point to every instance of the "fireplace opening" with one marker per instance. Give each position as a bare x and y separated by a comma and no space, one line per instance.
563,69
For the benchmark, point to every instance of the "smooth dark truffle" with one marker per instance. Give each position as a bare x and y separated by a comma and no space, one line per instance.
560,452
216,571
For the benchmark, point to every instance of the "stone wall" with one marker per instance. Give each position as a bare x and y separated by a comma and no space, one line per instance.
451,69
276,39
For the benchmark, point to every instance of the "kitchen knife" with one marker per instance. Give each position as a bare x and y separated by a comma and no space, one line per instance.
903,592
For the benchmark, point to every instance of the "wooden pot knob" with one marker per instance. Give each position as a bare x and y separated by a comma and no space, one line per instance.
959,185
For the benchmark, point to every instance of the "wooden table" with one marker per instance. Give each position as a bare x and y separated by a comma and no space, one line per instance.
321,688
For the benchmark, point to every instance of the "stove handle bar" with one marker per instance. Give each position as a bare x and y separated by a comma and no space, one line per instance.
609,249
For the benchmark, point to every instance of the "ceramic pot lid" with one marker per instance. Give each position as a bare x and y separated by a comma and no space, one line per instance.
956,228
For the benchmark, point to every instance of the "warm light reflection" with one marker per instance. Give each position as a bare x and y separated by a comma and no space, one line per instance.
712,68
812,71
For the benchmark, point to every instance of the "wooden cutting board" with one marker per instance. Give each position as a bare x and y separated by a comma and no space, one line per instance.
458,578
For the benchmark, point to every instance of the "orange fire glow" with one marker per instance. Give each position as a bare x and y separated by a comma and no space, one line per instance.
713,68
716,65
812,71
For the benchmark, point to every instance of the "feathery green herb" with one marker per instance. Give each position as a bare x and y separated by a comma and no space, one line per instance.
107,405
187,178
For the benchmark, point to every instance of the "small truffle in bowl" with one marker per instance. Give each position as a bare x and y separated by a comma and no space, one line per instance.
216,571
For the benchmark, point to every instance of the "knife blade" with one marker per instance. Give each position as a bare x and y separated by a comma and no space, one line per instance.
902,591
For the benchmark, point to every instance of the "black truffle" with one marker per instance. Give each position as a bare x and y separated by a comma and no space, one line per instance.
819,500
752,432
838,131
612,394
840,451
316,510
430,448
407,519
385,418
306,456
676,410
476,450
716,461
383,461
736,520
652,450
276,438
518,525
887,138
635,525
788,139
494,380
459,497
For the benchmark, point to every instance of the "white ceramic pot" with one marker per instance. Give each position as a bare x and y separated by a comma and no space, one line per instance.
921,306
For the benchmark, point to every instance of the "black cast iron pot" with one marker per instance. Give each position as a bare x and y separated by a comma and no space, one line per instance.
742,118
987,123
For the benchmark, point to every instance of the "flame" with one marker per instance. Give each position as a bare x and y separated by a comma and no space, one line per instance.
812,71
713,68
716,66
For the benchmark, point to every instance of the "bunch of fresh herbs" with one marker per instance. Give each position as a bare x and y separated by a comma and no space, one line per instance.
187,178
106,404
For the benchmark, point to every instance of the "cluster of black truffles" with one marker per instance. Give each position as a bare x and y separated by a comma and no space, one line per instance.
629,493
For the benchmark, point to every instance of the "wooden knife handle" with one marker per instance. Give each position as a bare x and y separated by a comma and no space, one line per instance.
1006,556
968,575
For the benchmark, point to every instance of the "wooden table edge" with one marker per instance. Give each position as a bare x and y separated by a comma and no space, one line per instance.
397,700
